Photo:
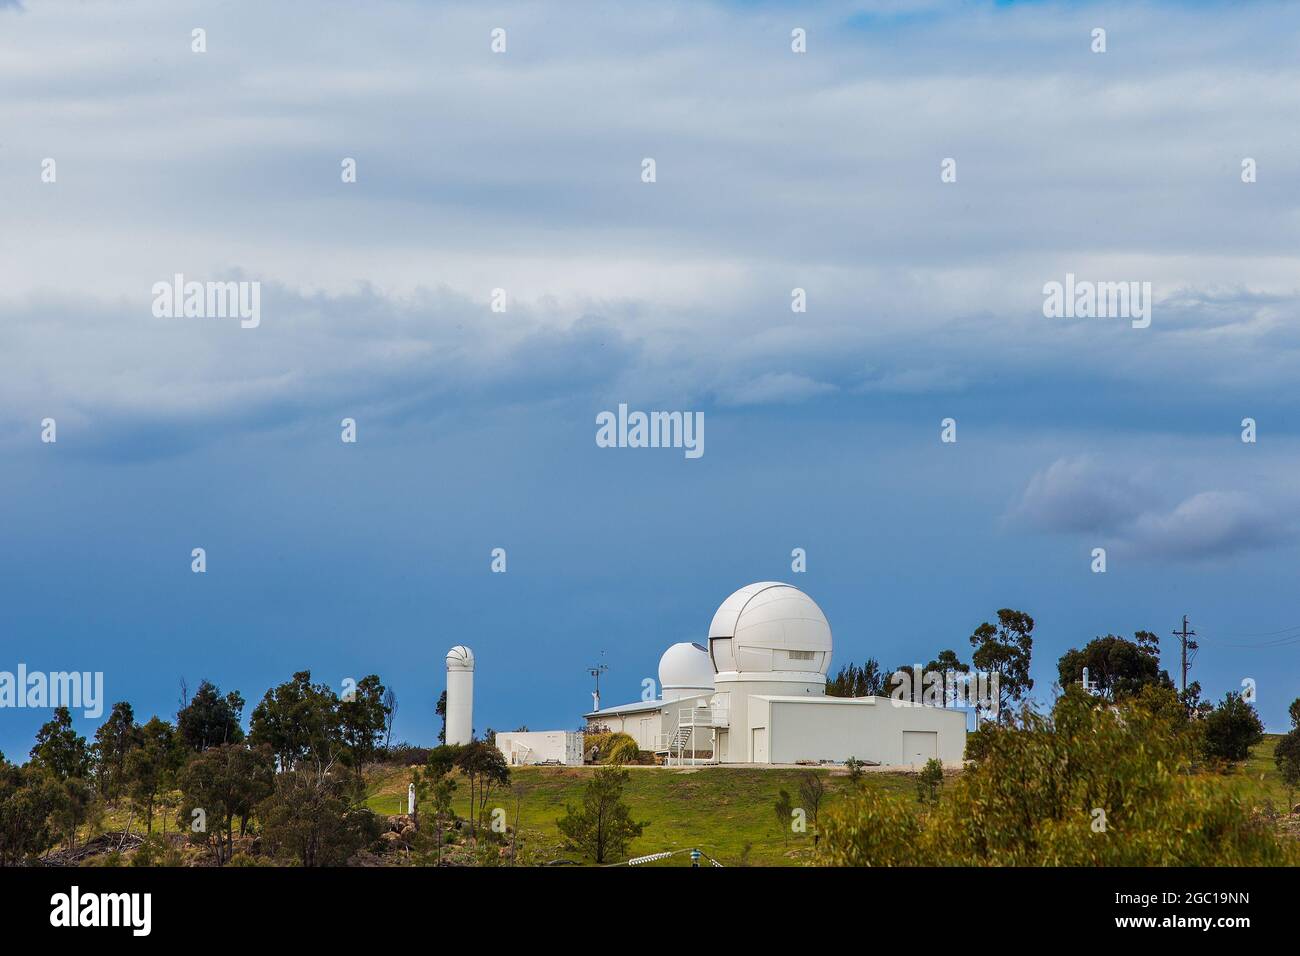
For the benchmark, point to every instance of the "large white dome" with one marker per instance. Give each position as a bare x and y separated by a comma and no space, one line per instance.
770,628
684,668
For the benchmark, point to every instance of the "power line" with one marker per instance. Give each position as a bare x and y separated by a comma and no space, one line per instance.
1266,645
1292,637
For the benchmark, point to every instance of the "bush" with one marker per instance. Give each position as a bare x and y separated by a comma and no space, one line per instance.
620,749
404,755
1287,758
1090,785
1231,729
612,748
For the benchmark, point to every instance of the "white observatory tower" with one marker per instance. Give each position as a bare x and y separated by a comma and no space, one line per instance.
767,640
460,695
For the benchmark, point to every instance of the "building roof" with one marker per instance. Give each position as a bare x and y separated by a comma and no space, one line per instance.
644,706
640,705
816,699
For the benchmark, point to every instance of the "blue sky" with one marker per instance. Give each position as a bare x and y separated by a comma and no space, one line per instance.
476,429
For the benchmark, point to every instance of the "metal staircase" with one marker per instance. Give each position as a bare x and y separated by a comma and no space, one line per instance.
690,719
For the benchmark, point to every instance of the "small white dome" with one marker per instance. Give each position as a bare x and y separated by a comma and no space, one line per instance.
685,667
770,627
460,658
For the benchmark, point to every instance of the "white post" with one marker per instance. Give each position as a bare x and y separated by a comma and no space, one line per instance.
410,800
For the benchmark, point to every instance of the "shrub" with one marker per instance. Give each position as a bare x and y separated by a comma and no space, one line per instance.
404,755
1091,785
620,749
1231,729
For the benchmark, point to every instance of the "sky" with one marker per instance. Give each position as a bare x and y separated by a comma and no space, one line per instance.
523,171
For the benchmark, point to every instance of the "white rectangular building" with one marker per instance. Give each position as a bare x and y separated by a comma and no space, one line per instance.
560,747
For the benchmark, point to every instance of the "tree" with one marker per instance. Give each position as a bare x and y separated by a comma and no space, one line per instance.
298,720
1119,667
152,766
601,827
73,805
362,718
855,681
440,709
1294,711
1005,650
224,783
812,790
484,766
1084,786
28,797
929,781
1232,729
437,782
311,818
1193,706
1287,758
210,720
946,666
784,809
855,768
442,759
60,749
114,740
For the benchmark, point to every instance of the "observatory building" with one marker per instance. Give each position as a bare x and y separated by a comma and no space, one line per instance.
460,695
757,694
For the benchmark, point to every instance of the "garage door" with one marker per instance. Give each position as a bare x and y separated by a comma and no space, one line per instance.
760,745
919,746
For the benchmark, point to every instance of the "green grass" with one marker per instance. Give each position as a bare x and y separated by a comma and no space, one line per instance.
718,809
1259,778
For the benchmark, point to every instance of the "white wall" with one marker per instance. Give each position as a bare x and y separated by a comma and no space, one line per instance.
649,727
561,746
869,728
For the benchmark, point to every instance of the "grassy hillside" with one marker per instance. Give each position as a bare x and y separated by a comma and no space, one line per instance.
718,809
1259,776
721,809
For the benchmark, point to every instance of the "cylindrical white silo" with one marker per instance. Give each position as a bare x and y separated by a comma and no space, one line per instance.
460,695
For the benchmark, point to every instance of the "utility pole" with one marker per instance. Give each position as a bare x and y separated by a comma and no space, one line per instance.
1188,645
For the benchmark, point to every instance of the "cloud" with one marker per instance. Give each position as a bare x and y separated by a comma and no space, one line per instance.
1130,510
1212,524
776,171
774,388
1078,495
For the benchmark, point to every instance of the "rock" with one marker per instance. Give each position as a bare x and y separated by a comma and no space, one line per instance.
390,839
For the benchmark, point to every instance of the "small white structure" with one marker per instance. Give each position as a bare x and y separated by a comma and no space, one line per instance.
562,747
769,652
460,695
